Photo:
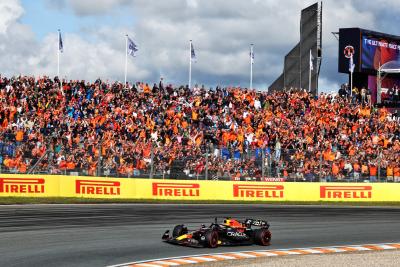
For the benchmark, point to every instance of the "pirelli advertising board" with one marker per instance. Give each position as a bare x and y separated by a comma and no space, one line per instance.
29,186
94,187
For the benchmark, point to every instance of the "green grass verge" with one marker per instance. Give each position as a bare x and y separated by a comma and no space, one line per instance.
73,200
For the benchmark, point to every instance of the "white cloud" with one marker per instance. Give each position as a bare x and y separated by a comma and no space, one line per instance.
192,3
10,11
221,32
94,7
325,85
21,53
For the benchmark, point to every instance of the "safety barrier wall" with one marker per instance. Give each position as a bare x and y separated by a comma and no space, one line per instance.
69,186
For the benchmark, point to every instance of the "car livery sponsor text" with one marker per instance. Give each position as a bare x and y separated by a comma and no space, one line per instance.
344,192
22,185
236,234
258,191
176,189
93,187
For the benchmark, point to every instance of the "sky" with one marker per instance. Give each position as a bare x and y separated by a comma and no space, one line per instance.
93,33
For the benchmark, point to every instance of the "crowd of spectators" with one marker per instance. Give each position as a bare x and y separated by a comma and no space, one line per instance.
234,133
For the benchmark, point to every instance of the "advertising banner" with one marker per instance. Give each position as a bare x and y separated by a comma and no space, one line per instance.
96,187
28,186
377,51
123,188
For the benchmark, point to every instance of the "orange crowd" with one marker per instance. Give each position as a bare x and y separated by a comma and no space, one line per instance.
103,128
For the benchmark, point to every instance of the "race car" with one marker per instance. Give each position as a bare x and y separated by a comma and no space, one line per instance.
229,233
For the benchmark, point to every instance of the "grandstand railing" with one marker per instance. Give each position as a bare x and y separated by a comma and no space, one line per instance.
212,163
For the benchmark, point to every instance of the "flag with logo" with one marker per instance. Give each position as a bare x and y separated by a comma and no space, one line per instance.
311,61
132,47
60,42
192,54
251,56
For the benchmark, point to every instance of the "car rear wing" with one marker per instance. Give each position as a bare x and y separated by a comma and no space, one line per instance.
254,222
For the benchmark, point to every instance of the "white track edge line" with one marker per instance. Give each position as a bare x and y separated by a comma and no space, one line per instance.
260,250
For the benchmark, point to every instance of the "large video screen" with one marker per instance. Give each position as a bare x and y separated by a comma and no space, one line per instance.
378,50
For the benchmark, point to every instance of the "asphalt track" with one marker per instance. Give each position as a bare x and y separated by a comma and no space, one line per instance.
100,235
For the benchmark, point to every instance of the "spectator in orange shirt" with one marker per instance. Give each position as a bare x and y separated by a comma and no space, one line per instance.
389,171
19,136
396,172
364,170
357,169
373,170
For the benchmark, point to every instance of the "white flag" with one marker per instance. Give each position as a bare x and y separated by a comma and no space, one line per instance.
351,64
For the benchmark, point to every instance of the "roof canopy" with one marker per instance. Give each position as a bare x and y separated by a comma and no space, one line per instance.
391,67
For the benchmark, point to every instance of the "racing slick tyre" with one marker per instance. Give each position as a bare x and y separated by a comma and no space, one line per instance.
211,239
262,237
179,230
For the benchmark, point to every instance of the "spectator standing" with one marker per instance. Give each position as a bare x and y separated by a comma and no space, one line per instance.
373,170
396,172
363,95
278,148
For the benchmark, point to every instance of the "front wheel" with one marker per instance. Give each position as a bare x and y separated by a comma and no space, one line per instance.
262,237
211,239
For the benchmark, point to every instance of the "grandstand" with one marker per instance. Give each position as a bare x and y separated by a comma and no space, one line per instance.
161,131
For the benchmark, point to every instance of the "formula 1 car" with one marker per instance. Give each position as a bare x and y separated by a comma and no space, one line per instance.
229,233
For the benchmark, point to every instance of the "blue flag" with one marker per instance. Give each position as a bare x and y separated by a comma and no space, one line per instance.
60,43
192,54
132,47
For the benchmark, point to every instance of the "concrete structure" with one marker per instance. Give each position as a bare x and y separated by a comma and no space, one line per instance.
296,70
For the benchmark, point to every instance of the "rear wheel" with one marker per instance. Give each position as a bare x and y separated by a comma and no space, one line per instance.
262,237
179,230
211,239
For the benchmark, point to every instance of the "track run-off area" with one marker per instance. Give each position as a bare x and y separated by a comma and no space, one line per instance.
109,234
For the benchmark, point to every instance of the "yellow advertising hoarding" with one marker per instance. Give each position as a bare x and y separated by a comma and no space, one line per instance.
96,187
29,186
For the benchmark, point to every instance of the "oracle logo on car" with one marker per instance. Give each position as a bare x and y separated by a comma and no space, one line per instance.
236,234
22,185
176,189
90,187
343,192
258,191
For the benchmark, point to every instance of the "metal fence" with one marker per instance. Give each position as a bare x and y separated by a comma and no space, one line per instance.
210,163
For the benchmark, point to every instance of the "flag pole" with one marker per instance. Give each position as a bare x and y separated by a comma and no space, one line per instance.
309,74
58,55
58,59
351,82
251,66
126,57
351,75
379,85
190,63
